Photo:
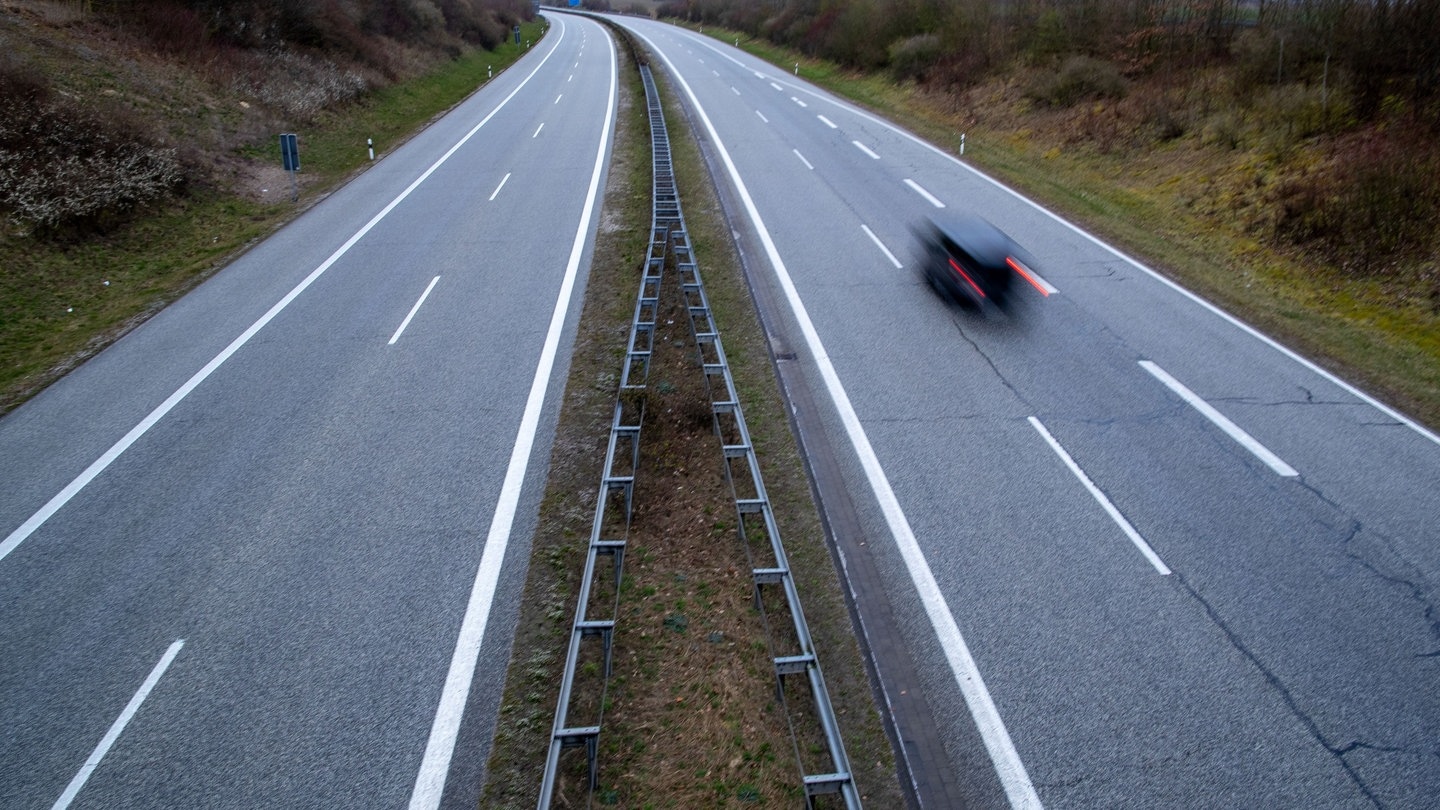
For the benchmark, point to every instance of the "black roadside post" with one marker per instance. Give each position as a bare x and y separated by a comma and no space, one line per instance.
290,157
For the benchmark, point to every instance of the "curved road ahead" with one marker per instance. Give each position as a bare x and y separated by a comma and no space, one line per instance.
1137,554
241,546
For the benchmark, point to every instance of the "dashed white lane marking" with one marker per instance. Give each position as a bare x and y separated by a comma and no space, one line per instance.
881,245
1231,429
762,116
803,160
118,727
1145,550
496,192
867,150
827,122
400,331
923,193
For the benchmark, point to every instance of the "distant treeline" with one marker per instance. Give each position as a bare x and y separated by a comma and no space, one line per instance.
1377,51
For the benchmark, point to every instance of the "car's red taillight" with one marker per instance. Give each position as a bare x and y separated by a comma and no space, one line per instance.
956,266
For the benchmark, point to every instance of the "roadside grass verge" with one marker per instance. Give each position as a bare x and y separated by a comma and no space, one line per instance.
62,302
1171,208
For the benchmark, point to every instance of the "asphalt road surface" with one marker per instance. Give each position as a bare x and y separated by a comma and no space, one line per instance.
1137,554
250,551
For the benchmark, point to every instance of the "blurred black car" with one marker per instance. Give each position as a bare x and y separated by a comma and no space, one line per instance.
967,259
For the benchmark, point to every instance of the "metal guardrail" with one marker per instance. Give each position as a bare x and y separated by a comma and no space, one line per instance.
614,504
755,521
611,525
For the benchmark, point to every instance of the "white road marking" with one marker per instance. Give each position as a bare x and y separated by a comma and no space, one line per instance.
415,309
923,193
1149,553
881,245
571,77
1008,767
863,148
496,192
733,90
762,116
777,86
716,72
116,450
557,98
803,160
118,727
430,782
827,122
537,130
1231,429
798,101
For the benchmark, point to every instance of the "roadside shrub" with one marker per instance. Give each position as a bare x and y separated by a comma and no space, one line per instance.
1374,203
1080,78
64,169
914,57
1290,113
301,85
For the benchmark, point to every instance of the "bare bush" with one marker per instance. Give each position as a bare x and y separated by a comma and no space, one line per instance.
301,85
914,57
1079,79
1373,203
62,168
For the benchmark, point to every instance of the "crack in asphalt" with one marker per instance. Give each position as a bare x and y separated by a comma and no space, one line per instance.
1417,591
960,330
1413,583
1280,688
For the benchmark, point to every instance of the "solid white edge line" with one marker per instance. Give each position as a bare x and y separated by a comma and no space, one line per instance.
496,192
118,727
1100,498
881,245
1133,262
430,782
916,187
401,330
827,122
82,480
803,160
867,150
1011,771
1221,421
